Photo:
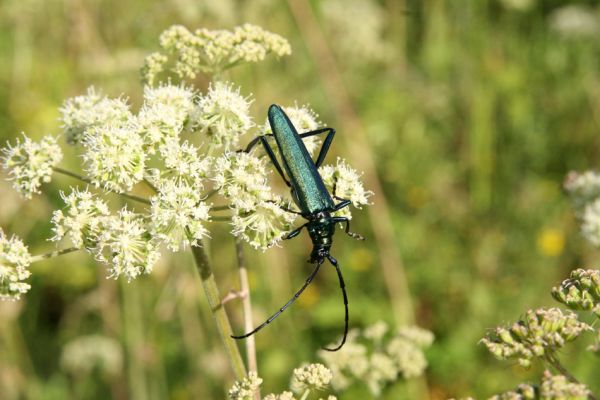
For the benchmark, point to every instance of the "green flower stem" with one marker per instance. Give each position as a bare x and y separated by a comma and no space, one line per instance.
86,180
55,253
214,301
247,306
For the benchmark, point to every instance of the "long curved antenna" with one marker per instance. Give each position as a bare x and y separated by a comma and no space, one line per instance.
334,262
286,305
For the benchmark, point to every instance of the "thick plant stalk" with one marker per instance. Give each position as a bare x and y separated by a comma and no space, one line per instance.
214,301
247,307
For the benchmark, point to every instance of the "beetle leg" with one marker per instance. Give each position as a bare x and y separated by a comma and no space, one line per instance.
294,233
270,153
347,230
334,262
326,143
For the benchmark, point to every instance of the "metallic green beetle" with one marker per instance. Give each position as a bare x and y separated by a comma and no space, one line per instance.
311,196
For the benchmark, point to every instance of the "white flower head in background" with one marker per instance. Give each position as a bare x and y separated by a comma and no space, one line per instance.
575,21
212,51
85,353
14,264
29,163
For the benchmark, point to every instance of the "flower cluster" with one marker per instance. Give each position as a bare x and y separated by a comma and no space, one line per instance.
114,158
307,379
344,182
81,113
178,211
258,216
14,264
552,387
540,333
211,51
311,377
81,219
223,115
378,358
165,111
30,163
126,246
245,389
581,291
145,157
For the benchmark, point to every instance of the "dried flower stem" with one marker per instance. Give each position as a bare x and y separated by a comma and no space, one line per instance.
55,253
214,301
86,180
247,307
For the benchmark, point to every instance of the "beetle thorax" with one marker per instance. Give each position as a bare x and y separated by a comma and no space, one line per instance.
321,229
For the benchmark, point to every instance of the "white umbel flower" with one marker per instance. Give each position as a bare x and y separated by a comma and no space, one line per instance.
212,51
176,208
311,377
344,182
245,389
222,114
81,219
90,110
114,157
264,226
126,246
184,161
14,263
30,163
164,113
242,178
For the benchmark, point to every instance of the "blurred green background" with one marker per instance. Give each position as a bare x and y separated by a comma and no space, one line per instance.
465,117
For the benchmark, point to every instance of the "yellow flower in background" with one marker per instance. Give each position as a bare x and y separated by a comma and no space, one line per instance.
551,242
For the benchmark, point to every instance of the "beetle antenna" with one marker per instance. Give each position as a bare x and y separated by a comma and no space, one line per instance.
286,305
334,262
